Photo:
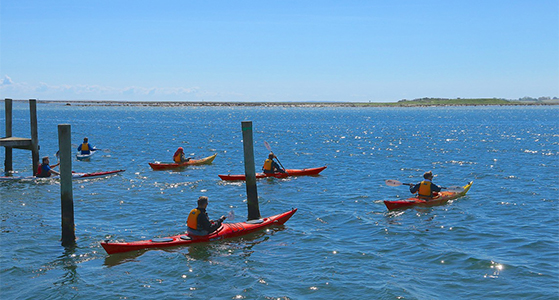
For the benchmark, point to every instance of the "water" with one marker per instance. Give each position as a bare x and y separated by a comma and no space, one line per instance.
498,242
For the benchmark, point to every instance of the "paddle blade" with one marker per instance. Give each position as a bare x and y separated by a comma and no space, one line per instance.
267,146
391,182
231,216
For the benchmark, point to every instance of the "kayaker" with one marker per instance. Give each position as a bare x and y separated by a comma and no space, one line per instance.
270,166
44,169
198,222
85,147
179,156
425,189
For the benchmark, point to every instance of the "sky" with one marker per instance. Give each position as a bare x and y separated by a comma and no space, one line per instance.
244,51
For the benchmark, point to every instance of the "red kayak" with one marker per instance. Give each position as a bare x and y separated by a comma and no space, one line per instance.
75,175
288,172
442,198
166,166
227,230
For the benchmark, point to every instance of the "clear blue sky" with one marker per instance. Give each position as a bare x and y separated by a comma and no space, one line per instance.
380,51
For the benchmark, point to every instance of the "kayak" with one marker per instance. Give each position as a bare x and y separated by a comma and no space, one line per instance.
288,172
80,156
166,166
74,176
442,198
227,230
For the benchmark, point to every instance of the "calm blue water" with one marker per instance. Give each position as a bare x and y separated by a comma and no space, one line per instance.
501,241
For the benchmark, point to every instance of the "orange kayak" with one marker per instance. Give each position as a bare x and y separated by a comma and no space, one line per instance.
442,198
166,166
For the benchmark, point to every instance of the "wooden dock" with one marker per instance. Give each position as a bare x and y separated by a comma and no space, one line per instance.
10,142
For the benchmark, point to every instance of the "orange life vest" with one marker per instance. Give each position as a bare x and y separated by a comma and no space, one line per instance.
192,220
85,147
425,189
267,165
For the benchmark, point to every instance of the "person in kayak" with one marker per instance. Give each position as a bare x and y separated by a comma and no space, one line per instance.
45,170
426,189
198,222
85,147
270,166
179,156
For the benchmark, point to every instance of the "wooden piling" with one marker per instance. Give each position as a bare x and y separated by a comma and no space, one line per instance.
66,194
250,173
8,160
34,133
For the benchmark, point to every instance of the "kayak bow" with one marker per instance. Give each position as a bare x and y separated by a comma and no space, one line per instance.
227,230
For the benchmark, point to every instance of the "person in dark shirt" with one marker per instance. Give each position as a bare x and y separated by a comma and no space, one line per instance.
198,222
45,170
425,190
85,147
270,166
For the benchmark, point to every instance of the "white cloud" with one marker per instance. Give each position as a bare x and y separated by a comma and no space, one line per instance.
45,91
6,81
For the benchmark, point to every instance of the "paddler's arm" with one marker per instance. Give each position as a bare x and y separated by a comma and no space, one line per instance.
414,188
216,224
54,172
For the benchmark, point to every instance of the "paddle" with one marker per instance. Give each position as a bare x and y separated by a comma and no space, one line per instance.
270,149
231,216
454,189
57,155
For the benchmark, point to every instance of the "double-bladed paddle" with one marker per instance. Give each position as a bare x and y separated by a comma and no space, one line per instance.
392,182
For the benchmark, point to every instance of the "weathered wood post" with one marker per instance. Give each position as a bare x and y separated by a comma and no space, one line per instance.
66,194
8,160
250,173
34,133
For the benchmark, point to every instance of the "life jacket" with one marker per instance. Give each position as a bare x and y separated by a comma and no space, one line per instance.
192,220
41,172
85,147
267,165
177,157
425,189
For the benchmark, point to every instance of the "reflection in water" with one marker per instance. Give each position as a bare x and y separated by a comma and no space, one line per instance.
120,258
69,264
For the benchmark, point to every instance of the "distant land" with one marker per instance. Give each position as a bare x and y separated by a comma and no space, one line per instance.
402,103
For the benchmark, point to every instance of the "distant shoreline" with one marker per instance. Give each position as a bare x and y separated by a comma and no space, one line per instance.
425,102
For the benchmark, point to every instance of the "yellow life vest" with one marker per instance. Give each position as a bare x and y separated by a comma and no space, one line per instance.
85,147
425,189
192,220
268,165
177,158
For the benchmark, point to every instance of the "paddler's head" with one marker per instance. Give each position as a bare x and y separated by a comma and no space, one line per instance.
271,155
85,140
428,175
180,149
203,202
45,160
